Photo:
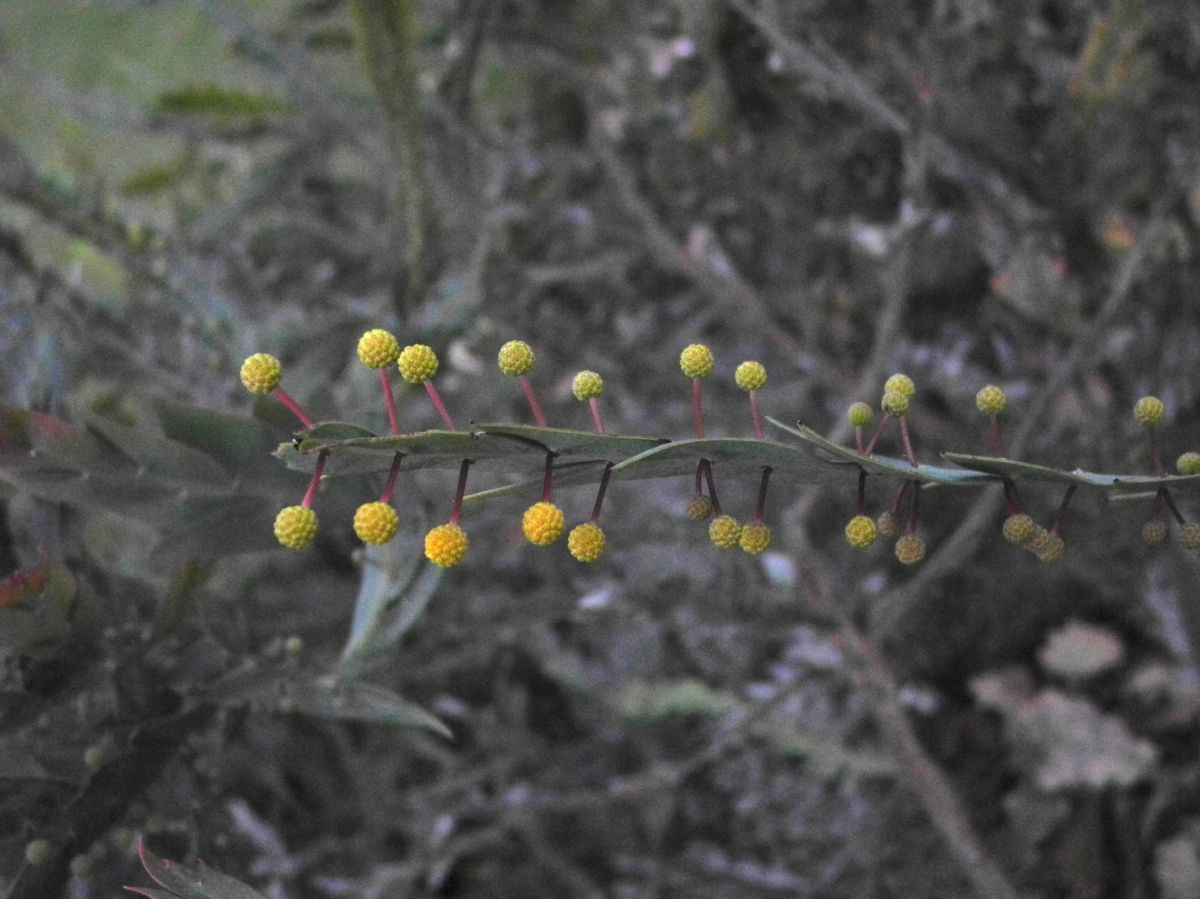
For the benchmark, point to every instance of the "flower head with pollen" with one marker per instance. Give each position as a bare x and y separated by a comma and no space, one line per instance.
1154,532
543,523
696,361
261,373
900,383
699,508
295,527
1149,411
418,363
1189,536
587,385
755,538
1053,549
750,376
1018,528
895,403
1188,463
860,415
910,549
586,542
376,523
446,545
860,532
724,531
991,400
516,358
378,348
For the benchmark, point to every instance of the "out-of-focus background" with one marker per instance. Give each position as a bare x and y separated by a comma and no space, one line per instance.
971,191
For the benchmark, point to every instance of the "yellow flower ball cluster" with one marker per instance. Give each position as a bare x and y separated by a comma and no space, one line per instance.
296,527
446,545
543,523
418,363
586,542
587,385
261,373
750,376
378,348
376,523
860,532
516,358
696,361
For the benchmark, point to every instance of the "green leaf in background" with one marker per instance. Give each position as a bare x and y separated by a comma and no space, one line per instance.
885,466
222,104
1133,484
157,454
187,882
321,697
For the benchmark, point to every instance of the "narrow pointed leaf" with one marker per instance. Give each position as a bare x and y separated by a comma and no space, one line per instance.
1116,483
884,466
322,697
566,442
426,449
193,882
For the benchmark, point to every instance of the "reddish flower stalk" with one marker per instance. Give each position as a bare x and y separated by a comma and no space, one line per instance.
600,493
996,437
756,415
912,509
712,487
697,409
286,398
594,405
884,424
901,495
390,487
527,386
862,492
858,440
1061,514
1160,470
548,479
1012,499
385,381
1166,496
761,509
436,399
908,449
315,484
461,491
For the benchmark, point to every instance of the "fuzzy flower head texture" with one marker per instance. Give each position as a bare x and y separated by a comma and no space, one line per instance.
261,373
1018,528
860,531
699,508
586,542
587,385
418,363
724,532
543,523
860,415
750,376
755,538
446,545
991,400
295,527
376,523
1149,411
516,359
378,348
696,361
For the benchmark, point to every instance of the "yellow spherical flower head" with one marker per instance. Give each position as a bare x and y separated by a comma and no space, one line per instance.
587,386
755,538
446,545
696,360
295,527
261,373
1053,549
1018,529
724,531
860,532
910,549
699,508
991,400
1149,411
750,376
376,523
1188,463
1154,533
900,383
543,523
418,363
1189,536
860,415
1038,539
378,348
586,542
516,358
894,402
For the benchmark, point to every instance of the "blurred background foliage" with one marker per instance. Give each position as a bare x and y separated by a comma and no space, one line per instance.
972,191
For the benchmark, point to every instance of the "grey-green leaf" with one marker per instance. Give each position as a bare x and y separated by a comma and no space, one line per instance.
188,882
1115,483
